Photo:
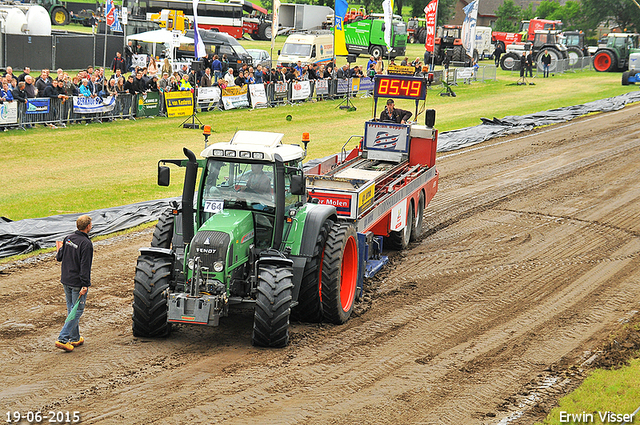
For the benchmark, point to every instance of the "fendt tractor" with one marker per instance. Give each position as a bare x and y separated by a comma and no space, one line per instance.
266,234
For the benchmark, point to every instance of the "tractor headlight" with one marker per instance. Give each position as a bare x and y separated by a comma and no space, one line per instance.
218,266
191,263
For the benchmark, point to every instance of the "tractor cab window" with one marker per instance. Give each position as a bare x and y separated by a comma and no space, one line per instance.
237,185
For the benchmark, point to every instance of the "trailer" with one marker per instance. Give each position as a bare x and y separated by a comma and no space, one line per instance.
267,234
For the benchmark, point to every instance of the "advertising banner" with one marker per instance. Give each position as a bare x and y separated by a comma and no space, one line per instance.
235,97
430,14
343,85
209,94
38,105
469,27
300,90
366,84
93,105
8,113
148,104
179,103
322,87
258,95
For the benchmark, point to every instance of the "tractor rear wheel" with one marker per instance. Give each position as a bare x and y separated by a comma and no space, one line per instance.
264,31
459,54
309,308
416,231
273,306
149,299
163,233
422,35
604,61
510,62
436,54
339,273
399,240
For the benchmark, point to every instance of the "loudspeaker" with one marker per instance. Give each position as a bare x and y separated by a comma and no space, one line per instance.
197,66
430,117
351,58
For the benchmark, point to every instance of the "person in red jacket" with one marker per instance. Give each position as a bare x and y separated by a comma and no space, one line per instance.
76,255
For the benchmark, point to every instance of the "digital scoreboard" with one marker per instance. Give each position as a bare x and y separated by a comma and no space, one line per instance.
400,87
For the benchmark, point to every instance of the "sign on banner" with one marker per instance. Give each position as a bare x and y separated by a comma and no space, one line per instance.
179,103
235,97
343,86
139,60
9,113
300,90
322,87
464,73
399,216
148,104
366,84
209,94
258,95
38,105
355,85
93,105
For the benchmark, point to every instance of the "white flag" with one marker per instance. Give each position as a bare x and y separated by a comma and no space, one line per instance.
274,22
387,9
199,49
469,27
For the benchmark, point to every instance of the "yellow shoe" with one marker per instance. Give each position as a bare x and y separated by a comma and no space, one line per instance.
78,342
66,346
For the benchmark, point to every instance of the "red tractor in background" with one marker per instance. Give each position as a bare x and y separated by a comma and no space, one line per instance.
448,42
527,32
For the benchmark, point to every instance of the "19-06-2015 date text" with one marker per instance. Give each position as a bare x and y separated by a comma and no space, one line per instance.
36,417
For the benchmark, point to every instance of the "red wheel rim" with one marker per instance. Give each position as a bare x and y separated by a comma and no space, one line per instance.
349,274
601,62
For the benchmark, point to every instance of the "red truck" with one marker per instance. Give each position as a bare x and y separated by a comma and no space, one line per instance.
527,32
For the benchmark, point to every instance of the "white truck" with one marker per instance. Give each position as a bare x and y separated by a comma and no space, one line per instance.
306,48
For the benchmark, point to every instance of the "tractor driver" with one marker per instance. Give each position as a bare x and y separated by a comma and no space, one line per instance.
392,114
258,181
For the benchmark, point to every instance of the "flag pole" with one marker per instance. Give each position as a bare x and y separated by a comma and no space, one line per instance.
104,57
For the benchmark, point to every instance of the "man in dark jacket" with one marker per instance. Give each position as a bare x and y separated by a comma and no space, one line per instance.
392,114
546,62
19,94
76,255
119,63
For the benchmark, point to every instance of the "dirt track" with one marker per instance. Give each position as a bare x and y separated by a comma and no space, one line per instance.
532,258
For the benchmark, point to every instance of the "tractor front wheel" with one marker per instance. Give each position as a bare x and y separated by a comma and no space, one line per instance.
339,273
60,16
149,299
163,233
510,62
273,306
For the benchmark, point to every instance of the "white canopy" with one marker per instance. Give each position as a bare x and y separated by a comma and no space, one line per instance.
159,36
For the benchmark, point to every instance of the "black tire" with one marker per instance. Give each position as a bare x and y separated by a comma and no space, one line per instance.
400,240
273,306
459,54
254,36
309,308
625,78
436,54
604,61
574,56
376,51
149,300
339,273
264,31
422,36
417,231
510,62
411,39
163,233
60,16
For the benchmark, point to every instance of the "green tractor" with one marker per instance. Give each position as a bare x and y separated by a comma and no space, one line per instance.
57,11
249,241
615,55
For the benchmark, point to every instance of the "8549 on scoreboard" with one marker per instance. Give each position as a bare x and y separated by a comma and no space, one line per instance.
400,87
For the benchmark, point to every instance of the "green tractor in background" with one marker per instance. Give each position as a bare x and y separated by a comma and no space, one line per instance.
57,11
615,55
249,241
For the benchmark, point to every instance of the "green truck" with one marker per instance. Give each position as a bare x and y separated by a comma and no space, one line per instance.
365,36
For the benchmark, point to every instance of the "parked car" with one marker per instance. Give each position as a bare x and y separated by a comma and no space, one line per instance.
217,43
260,57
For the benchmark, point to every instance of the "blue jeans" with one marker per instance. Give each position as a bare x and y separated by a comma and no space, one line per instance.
217,75
71,331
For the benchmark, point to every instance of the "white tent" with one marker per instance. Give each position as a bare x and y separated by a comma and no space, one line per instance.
162,36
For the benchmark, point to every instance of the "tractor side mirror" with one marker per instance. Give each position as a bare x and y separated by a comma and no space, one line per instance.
298,185
164,174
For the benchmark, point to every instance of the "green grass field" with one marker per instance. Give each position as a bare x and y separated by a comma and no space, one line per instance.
82,168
